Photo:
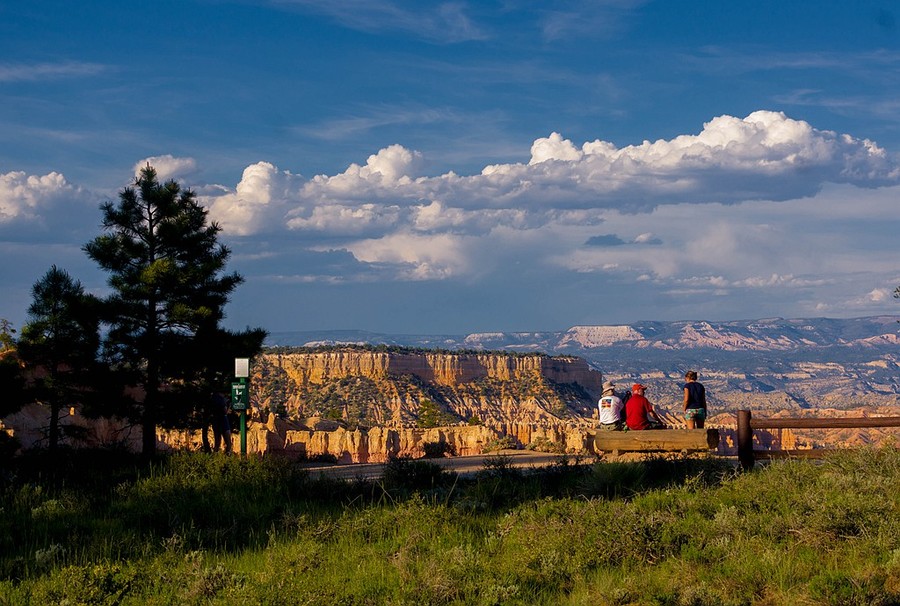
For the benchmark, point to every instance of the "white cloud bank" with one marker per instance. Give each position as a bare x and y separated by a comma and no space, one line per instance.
26,197
38,206
765,156
759,204
168,167
258,204
384,210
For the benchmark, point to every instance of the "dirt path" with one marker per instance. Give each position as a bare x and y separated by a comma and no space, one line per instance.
522,459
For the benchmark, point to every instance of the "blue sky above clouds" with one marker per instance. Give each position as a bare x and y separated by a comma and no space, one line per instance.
471,166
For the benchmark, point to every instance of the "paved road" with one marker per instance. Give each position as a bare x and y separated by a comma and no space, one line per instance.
523,459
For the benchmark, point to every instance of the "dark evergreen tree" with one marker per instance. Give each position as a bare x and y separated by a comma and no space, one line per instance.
431,415
169,292
59,344
10,372
198,367
7,338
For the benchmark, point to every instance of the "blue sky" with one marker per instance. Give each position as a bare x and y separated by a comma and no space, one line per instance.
455,167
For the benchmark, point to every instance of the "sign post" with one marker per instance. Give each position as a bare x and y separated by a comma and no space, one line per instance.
240,397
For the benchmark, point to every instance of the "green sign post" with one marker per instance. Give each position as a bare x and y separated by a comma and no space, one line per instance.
240,397
240,400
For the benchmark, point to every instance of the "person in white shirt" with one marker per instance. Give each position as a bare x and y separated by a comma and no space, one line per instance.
611,408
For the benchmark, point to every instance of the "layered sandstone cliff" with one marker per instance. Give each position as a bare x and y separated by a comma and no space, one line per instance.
449,369
366,387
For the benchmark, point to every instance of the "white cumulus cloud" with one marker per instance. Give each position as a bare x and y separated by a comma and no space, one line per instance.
346,219
27,197
259,202
724,210
168,167
420,257
387,172
41,206
877,295
554,147
764,156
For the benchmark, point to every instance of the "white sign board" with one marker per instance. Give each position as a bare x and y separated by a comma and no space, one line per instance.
241,367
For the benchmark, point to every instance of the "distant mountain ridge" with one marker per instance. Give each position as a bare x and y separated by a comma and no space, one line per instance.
770,363
769,335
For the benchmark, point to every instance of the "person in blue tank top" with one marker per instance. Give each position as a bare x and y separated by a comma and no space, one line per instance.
694,401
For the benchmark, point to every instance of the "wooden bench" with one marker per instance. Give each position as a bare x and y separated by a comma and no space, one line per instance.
655,440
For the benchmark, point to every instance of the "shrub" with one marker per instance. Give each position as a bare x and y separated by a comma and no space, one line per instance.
322,457
9,445
501,443
403,475
437,450
99,584
544,444
431,415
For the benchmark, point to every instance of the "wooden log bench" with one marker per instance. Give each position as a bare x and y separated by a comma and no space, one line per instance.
655,440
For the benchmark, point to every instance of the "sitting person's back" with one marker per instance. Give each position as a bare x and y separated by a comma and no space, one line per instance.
610,408
639,413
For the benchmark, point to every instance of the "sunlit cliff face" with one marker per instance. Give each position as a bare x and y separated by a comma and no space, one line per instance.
381,388
443,368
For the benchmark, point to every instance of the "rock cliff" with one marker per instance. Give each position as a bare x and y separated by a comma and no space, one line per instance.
368,404
812,362
442,368
318,439
366,387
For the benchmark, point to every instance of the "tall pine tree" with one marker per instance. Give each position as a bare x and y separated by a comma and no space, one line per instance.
167,274
60,343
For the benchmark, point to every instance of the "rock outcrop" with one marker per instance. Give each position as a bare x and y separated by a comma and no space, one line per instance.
448,369
352,404
367,387
814,362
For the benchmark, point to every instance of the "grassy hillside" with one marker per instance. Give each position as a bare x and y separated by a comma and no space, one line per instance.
200,529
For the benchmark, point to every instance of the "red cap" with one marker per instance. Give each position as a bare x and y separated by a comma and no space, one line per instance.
637,387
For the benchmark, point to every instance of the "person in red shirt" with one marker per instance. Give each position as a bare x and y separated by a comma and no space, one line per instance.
639,413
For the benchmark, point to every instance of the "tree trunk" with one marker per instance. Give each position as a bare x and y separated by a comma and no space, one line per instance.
148,438
149,418
148,426
53,433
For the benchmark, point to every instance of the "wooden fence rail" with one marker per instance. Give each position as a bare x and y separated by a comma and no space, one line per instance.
746,424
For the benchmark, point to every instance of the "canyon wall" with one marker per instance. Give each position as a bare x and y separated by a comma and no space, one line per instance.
367,387
447,369
366,405
319,440
327,440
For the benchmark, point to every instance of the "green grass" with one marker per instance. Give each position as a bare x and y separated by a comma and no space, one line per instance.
201,529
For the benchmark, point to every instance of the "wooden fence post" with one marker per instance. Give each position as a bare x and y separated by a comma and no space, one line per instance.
745,440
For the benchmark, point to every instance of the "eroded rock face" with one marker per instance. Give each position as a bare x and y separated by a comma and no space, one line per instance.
378,444
365,406
366,388
441,368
